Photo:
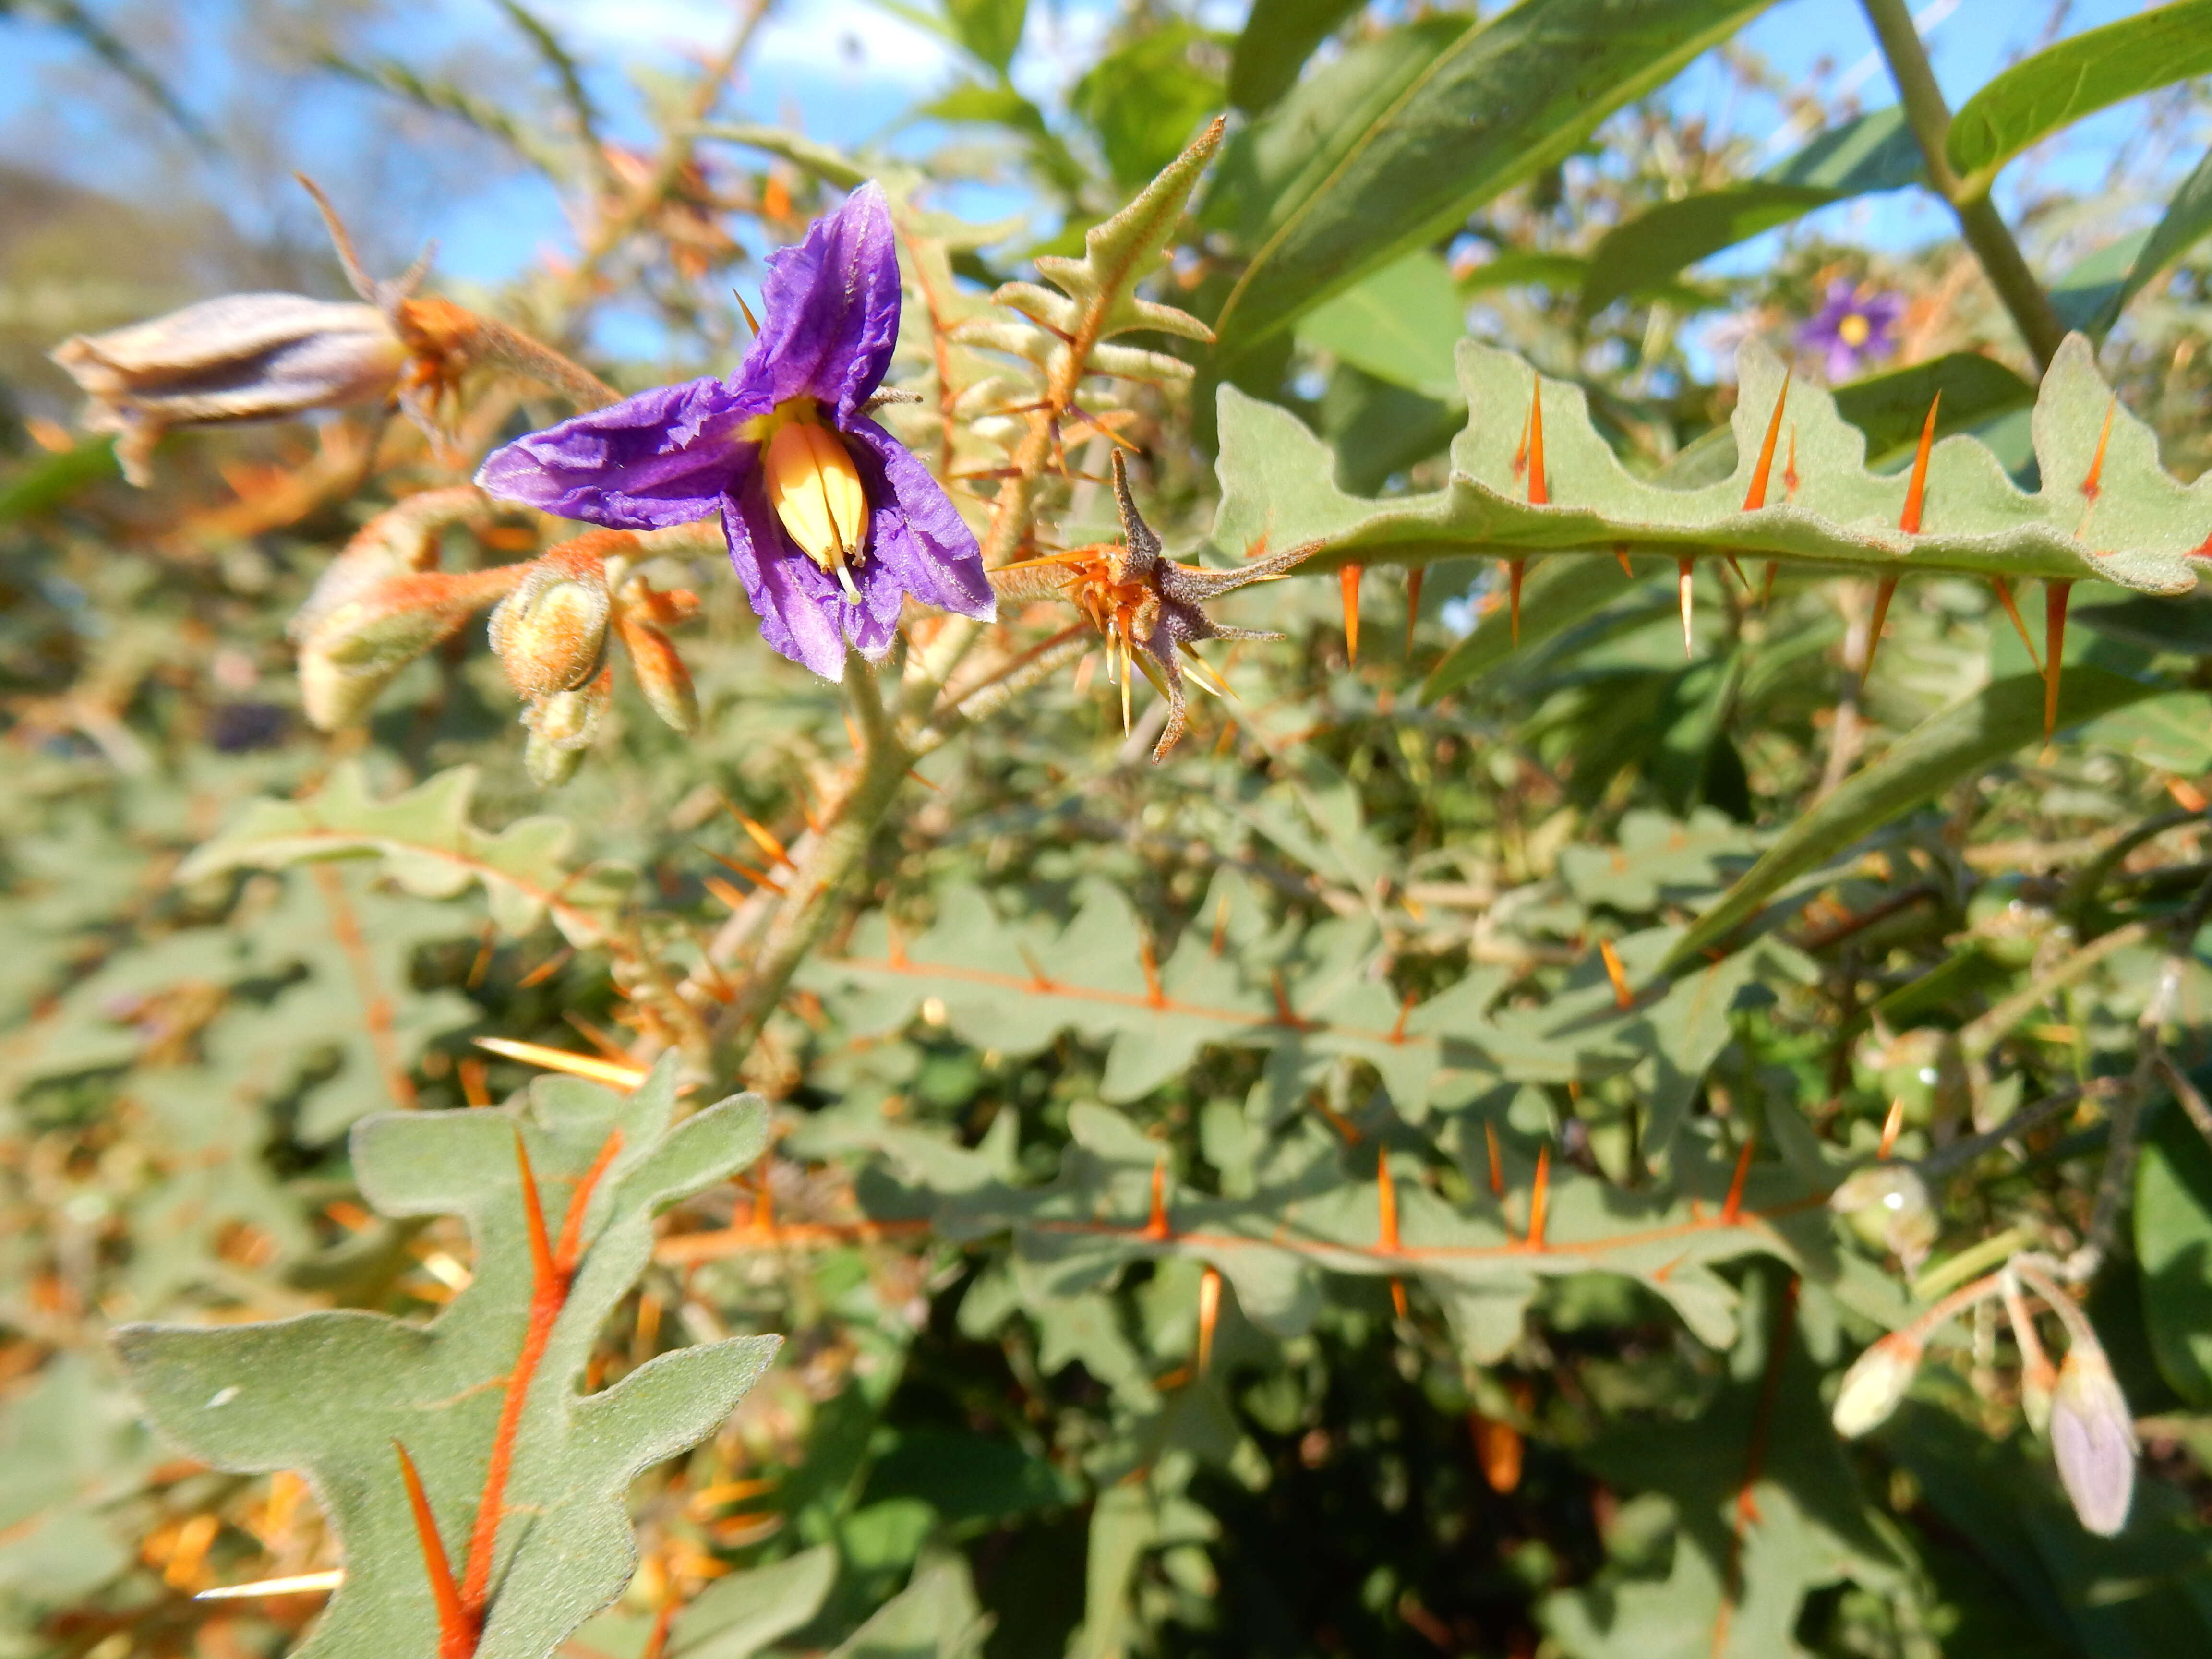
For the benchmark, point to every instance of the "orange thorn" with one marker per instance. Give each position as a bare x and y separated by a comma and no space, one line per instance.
1766,582
570,1248
1732,1209
1682,573
1398,1025
1789,468
1347,579
476,1086
1890,1126
762,836
1284,1014
1537,1195
1622,996
1882,594
457,1635
1515,570
1220,938
1621,552
1039,981
546,969
1742,580
2054,649
2003,586
1398,1299
1155,1224
2093,483
1386,1203
1497,1449
1540,491
1209,1315
1414,578
533,1216
1497,1162
1755,497
1154,996
739,867
1915,492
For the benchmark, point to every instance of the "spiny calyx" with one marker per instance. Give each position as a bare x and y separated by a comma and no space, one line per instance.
1146,604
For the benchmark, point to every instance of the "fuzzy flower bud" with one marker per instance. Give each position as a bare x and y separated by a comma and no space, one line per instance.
1887,1204
551,633
2094,1439
242,357
561,727
1875,1384
640,614
379,604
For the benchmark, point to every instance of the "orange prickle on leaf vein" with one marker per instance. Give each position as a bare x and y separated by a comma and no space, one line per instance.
1915,497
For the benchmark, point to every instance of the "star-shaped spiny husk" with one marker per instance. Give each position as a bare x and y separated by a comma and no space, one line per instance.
1146,604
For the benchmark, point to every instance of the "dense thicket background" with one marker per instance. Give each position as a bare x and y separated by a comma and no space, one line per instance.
1039,1451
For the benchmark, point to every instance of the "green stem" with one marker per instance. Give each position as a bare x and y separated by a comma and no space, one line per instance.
1980,222
804,915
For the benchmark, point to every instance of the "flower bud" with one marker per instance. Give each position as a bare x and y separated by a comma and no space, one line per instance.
639,611
817,492
1887,1204
2094,1439
242,357
561,727
1875,1384
551,632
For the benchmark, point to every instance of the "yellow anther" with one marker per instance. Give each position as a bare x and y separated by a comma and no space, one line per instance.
816,490
1854,329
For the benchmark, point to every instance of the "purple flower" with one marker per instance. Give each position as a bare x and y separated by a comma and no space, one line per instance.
830,522
1856,328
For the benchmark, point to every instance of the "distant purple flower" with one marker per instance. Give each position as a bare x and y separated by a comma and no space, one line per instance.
1856,328
831,523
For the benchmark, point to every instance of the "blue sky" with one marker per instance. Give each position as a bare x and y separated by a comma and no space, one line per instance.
844,70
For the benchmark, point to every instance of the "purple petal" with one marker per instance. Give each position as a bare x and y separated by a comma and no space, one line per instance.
663,458
801,607
917,532
833,309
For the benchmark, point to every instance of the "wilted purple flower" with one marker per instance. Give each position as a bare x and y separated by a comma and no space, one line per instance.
1856,328
830,522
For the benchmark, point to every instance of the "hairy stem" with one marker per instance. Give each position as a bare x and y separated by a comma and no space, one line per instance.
1980,222
835,853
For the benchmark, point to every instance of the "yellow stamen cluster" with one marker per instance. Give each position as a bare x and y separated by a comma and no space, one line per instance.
816,489
1854,329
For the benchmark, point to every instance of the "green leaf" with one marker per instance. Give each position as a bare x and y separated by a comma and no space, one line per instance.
330,1393
1146,100
2078,76
991,29
2139,532
1874,152
1964,740
1393,145
1278,36
1557,594
2173,1252
1097,298
1763,1510
736,1617
2092,296
1398,325
47,481
935,1617
429,848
